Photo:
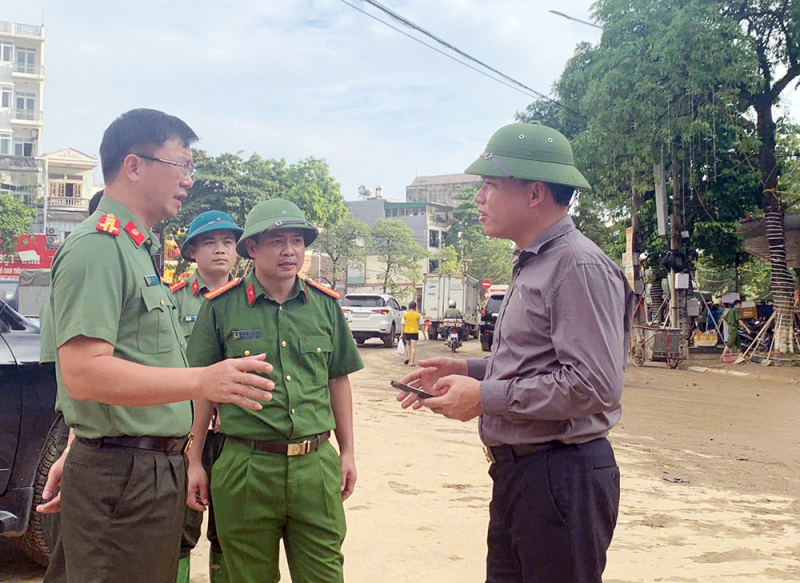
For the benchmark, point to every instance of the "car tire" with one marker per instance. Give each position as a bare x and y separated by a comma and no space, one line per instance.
433,334
388,340
43,529
485,347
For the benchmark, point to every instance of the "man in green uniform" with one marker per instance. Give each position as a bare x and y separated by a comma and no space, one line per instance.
734,319
123,382
278,476
211,244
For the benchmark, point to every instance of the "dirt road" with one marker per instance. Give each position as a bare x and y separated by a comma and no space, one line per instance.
731,442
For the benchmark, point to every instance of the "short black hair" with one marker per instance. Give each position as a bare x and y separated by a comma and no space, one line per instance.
142,131
562,194
737,302
412,305
94,201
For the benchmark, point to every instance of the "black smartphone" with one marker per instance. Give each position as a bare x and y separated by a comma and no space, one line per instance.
410,389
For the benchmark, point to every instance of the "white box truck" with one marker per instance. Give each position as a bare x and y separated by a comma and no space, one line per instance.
437,291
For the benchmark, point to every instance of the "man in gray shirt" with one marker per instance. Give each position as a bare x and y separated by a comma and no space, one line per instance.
550,391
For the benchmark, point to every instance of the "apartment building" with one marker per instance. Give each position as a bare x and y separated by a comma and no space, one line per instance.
22,62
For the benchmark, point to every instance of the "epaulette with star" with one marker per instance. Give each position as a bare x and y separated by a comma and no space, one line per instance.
108,224
223,288
177,285
324,289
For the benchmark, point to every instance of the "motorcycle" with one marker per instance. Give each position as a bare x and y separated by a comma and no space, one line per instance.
453,327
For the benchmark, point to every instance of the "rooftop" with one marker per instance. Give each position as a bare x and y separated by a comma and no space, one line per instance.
21,29
445,179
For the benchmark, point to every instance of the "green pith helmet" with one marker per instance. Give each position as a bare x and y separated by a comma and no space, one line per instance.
272,215
529,151
207,222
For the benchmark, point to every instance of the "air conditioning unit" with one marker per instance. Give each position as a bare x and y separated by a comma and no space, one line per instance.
51,231
51,239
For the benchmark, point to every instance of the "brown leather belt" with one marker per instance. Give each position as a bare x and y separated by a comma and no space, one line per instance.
289,449
503,453
147,442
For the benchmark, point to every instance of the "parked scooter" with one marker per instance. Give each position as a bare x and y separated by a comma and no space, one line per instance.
764,342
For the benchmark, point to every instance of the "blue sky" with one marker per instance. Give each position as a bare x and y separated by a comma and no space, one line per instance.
297,78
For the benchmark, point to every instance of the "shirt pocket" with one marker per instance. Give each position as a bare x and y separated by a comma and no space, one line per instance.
155,328
314,354
250,347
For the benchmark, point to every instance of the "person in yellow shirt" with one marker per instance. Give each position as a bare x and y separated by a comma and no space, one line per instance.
411,332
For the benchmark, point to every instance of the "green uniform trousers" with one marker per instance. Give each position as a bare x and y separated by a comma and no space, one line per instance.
262,497
122,513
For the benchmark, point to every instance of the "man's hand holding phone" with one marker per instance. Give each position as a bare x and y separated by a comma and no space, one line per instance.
425,377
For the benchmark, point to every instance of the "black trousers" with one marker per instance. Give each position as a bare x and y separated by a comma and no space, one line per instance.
194,519
553,514
122,514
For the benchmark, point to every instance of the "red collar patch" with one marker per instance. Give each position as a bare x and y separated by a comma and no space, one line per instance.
137,236
195,287
251,294
108,224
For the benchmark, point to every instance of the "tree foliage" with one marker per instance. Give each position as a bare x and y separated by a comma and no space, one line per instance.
235,185
343,243
393,242
16,221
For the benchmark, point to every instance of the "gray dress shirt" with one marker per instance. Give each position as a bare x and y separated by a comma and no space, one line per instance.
560,343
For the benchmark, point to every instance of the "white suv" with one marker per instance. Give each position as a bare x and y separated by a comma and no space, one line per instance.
373,316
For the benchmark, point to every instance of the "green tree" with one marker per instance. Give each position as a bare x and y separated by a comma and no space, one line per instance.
343,243
311,187
16,221
393,242
448,261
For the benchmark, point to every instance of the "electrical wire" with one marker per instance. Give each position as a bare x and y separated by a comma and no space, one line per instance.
514,84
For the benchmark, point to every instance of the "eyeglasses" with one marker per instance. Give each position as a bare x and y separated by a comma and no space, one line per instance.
187,169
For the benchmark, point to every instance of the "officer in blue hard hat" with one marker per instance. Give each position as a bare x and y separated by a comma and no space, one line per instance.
211,244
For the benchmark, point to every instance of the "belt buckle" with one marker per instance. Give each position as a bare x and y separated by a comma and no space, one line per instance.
489,456
189,440
295,449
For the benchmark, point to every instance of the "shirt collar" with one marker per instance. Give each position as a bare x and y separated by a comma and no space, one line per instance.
113,207
559,229
251,282
196,283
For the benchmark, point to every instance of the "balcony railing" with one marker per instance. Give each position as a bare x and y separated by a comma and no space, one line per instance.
72,202
21,29
26,69
25,114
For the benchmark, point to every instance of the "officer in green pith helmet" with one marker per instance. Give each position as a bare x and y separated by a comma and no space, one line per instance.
211,244
278,476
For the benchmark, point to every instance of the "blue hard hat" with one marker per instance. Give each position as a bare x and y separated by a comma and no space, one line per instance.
207,222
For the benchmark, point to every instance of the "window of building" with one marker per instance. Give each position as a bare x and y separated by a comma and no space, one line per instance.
433,239
6,50
24,105
23,147
433,265
65,189
26,61
5,97
5,144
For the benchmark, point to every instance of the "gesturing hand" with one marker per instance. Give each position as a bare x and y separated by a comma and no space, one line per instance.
425,377
233,381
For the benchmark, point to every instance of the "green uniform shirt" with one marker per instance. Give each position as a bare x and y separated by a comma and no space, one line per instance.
105,286
732,317
187,299
307,341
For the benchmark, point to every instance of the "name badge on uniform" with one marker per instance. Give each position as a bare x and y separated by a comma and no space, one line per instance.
246,334
190,318
151,280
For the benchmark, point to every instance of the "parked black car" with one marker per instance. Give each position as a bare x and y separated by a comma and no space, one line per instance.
32,435
489,317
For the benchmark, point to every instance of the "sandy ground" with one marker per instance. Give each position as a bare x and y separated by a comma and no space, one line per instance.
420,509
